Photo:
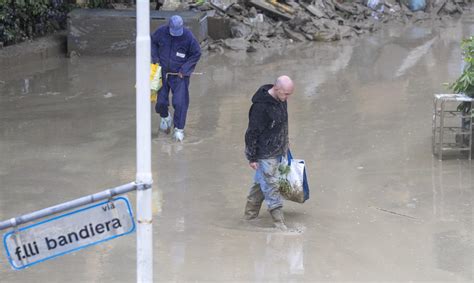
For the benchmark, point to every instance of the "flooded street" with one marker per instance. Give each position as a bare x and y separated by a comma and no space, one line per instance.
381,208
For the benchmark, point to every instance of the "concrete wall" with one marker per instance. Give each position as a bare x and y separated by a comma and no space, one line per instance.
33,51
113,32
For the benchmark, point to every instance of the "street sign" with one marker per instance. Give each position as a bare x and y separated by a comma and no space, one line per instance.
69,232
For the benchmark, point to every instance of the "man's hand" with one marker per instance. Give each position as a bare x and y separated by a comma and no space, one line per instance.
254,165
180,75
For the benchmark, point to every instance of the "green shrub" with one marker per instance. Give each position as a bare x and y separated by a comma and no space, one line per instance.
465,82
25,19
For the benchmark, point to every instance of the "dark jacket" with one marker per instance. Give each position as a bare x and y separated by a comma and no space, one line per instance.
175,53
267,133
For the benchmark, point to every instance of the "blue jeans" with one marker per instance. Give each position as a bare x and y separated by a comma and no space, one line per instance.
266,183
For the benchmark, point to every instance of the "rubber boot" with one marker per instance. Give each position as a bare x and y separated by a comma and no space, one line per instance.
251,210
178,135
278,219
165,124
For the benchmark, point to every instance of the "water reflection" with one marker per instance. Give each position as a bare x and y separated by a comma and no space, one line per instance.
454,252
452,210
40,83
178,256
282,258
26,87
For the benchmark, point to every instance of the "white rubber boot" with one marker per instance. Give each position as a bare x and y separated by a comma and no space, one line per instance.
178,135
165,124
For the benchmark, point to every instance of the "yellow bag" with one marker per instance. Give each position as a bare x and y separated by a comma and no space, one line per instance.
155,81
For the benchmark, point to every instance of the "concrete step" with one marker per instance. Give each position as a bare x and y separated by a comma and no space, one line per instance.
113,32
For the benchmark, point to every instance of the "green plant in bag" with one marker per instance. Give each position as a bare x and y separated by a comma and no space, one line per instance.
283,185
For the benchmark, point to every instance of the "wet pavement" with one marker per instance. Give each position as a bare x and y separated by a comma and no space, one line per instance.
382,208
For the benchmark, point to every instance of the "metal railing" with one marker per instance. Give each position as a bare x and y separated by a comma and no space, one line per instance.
107,194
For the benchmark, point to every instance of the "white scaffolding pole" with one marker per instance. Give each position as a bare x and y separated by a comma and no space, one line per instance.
144,197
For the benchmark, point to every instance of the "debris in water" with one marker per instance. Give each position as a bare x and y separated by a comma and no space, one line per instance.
395,213
109,95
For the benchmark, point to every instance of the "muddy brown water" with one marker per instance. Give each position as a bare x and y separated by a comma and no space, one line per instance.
382,208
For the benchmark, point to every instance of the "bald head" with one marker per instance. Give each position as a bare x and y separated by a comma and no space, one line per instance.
284,82
282,88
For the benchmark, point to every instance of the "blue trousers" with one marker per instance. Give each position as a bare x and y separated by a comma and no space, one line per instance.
266,183
179,88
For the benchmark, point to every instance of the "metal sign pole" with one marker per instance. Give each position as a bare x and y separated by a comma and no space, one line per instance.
144,196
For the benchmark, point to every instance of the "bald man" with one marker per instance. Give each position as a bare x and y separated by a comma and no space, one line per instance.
266,145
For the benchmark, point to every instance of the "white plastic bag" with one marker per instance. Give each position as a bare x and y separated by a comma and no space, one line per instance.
293,184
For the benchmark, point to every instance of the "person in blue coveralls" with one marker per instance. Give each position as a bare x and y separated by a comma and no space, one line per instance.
177,51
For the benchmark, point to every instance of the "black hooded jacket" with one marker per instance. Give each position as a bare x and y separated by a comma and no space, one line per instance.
267,133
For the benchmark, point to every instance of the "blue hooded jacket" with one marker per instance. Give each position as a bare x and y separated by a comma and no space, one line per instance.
175,53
